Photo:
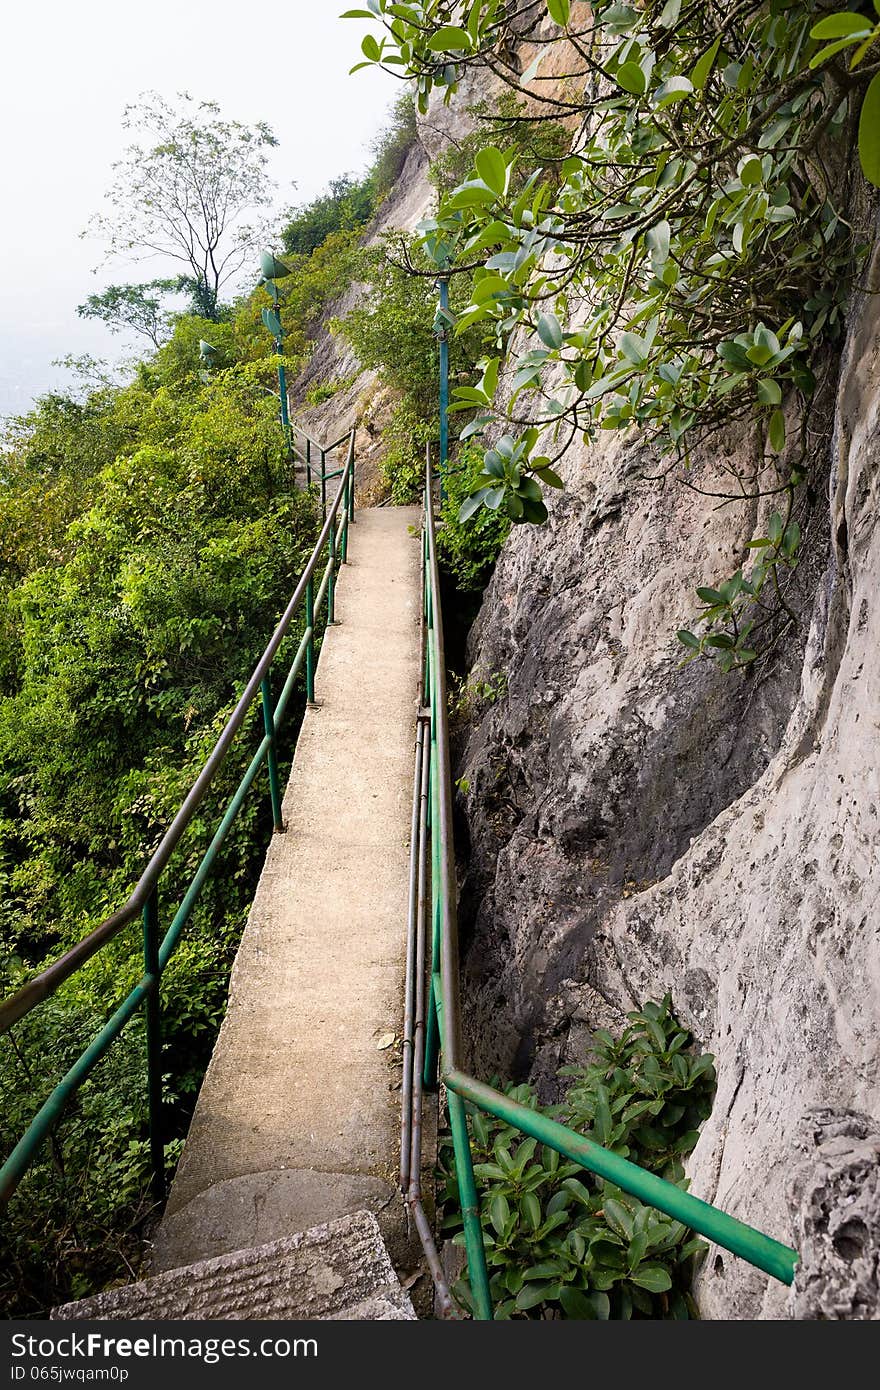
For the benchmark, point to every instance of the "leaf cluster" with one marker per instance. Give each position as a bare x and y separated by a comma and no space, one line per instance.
562,1243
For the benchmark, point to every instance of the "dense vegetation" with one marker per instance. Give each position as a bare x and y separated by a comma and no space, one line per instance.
149,537
150,534
682,269
562,1243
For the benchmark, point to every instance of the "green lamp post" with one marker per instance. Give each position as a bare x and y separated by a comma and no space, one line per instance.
442,321
272,269
208,354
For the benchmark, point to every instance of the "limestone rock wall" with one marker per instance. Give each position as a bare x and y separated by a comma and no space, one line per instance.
632,827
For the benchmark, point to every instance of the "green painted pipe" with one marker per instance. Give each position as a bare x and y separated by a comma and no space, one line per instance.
470,1210
153,1022
272,756
50,1111
467,1188
290,681
182,915
310,649
760,1250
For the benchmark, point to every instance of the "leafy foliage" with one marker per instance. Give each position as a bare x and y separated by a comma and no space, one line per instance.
562,1243
684,268
137,308
847,30
150,537
467,553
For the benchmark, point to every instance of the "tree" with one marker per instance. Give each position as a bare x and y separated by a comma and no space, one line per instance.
133,307
680,273
184,190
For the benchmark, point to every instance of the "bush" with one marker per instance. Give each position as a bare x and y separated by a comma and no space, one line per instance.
467,551
562,1243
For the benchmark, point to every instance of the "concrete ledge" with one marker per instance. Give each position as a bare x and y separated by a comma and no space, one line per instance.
339,1271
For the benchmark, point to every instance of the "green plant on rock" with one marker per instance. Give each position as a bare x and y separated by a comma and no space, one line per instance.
683,271
468,552
562,1243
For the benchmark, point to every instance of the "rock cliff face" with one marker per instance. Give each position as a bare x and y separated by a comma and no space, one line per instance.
631,827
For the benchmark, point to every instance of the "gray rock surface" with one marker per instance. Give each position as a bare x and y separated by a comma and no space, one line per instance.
337,1271
631,827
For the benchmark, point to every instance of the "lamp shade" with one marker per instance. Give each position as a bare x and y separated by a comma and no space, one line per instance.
272,269
207,351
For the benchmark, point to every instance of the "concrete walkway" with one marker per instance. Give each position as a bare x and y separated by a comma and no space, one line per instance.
297,1121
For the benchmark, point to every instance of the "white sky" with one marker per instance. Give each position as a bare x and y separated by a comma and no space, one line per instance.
66,72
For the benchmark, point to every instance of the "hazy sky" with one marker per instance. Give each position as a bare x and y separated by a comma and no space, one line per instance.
67,72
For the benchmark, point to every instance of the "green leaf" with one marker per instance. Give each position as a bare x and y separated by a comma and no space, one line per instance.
591,1306
668,16
654,1278
448,39
751,171
550,330
499,1212
703,66
769,391
630,77
370,48
492,168
774,529
673,89
688,639
560,11
634,348
657,240
531,1209
618,1218
776,431
830,49
471,505
869,132
531,1294
547,476
837,26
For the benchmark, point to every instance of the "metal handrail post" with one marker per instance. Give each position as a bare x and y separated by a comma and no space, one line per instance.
308,462
272,756
324,481
347,485
331,579
310,648
152,1010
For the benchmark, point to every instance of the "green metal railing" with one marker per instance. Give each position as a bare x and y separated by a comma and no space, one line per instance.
313,457
144,900
432,1048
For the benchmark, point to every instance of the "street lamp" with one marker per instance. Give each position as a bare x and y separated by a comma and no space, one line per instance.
208,354
272,270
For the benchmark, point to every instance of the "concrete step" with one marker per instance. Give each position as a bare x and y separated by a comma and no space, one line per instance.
340,1270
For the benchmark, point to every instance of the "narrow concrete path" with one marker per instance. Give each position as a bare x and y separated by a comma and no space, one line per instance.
297,1121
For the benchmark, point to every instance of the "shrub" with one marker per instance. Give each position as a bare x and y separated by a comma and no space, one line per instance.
562,1243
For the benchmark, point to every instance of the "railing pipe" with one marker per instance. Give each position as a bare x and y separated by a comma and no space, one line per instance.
760,1250
48,980
153,1019
272,756
310,647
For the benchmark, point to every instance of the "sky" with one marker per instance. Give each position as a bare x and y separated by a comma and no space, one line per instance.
66,73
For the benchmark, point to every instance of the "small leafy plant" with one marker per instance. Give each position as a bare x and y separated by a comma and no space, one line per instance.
561,1243
739,624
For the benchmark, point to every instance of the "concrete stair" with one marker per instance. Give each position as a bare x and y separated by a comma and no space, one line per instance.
338,1271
